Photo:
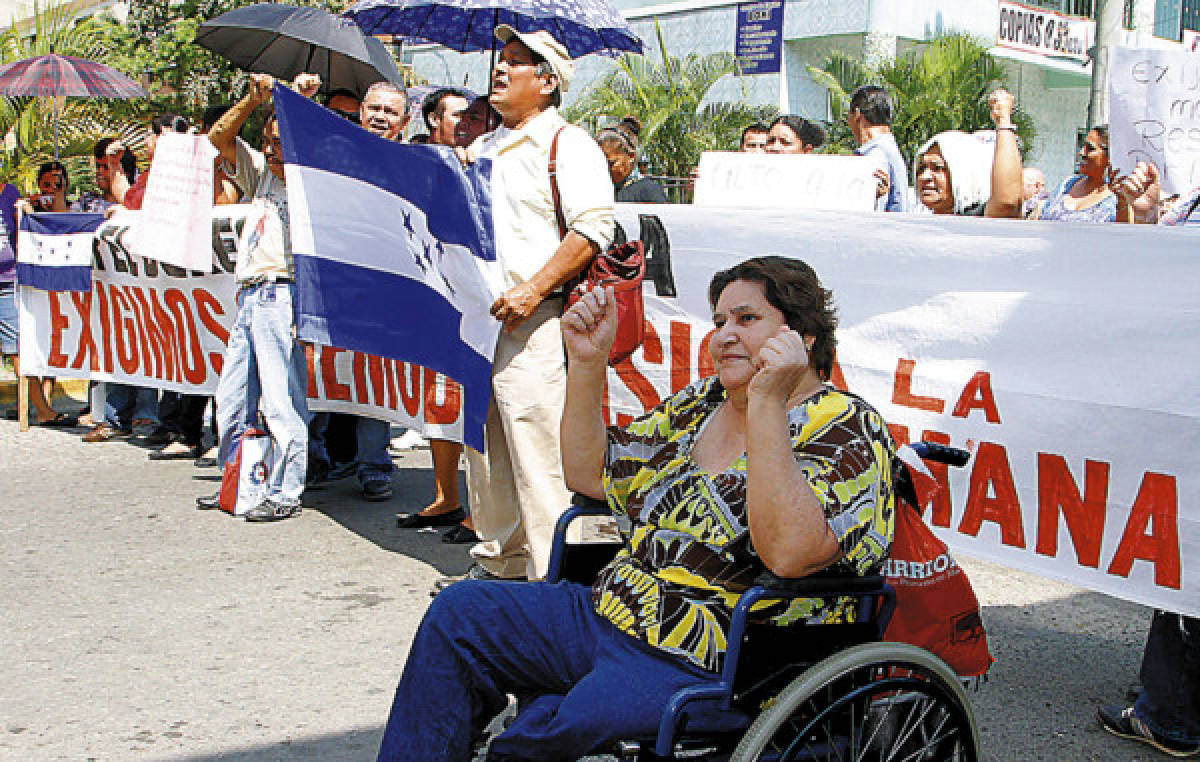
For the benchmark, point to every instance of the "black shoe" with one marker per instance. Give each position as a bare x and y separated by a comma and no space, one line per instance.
417,521
343,471
160,436
209,502
269,510
460,535
1124,723
318,474
377,490
189,454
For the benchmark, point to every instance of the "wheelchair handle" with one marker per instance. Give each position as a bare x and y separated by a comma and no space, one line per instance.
940,453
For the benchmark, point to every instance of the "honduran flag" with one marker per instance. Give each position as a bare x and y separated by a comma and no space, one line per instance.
393,248
54,250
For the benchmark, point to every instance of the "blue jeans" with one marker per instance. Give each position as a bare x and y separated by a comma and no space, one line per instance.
372,436
1170,700
124,404
265,371
374,463
8,318
317,424
585,683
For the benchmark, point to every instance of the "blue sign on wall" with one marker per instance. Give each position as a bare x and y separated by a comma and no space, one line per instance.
759,44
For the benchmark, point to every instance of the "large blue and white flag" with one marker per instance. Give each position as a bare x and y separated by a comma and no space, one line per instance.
54,250
393,248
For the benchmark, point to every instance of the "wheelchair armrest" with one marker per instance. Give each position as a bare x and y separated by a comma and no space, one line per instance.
581,505
820,585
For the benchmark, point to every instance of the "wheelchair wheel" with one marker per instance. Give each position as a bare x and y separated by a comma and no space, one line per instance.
877,701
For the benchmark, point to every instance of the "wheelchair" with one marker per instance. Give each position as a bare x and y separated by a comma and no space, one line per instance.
804,692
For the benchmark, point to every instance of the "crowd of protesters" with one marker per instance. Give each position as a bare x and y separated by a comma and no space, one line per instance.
517,488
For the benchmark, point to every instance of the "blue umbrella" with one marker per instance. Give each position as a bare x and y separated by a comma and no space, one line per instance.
583,26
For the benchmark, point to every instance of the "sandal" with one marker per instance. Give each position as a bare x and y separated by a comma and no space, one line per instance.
104,433
60,421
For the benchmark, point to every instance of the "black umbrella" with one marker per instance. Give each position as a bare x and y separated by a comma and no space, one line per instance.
284,40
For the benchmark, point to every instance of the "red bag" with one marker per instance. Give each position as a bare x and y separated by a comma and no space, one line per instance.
622,266
936,608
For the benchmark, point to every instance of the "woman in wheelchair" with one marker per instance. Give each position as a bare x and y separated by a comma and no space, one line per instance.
763,466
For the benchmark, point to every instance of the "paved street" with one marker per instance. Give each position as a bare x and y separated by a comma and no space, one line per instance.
135,627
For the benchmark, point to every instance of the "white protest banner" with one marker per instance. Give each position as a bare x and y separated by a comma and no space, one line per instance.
148,323
1044,32
1154,114
143,322
176,217
794,181
1063,367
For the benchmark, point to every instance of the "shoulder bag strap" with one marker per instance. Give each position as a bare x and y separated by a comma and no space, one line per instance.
558,212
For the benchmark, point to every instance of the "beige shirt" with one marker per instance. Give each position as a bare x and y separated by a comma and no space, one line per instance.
522,204
265,250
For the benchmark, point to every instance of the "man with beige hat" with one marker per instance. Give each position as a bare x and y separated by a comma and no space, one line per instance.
516,487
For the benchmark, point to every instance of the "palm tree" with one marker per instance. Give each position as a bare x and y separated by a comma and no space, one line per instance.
669,99
28,124
943,86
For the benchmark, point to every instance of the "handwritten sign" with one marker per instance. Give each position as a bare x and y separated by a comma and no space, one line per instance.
1154,114
800,181
758,43
177,209
1044,33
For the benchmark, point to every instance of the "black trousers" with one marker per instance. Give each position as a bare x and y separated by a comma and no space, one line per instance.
183,416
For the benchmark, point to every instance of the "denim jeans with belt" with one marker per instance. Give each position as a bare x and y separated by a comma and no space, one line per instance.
265,372
1170,700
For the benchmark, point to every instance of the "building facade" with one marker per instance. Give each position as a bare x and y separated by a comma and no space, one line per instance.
1043,43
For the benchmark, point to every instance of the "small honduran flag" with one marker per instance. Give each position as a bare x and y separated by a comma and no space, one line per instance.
394,250
54,250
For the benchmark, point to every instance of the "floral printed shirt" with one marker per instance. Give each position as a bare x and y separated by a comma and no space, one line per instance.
675,583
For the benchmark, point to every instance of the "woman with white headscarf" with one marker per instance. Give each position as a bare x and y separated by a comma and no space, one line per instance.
957,173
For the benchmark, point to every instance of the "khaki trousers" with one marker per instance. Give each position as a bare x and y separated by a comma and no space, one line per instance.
516,489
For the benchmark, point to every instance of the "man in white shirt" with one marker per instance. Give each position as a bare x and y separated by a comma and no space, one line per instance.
516,489
264,366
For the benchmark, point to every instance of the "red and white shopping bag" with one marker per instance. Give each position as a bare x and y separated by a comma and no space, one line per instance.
244,481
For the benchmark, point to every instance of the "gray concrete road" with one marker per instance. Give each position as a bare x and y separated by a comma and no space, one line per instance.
134,627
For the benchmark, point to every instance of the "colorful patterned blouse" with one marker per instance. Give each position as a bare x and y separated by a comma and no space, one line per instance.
686,561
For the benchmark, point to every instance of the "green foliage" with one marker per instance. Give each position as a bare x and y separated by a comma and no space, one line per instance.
668,98
942,86
29,124
155,46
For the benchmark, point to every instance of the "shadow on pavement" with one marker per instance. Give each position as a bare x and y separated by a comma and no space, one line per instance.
412,486
1056,663
353,746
